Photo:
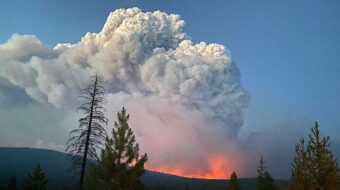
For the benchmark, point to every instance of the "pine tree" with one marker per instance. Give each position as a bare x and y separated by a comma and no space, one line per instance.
301,164
233,183
260,174
12,184
268,181
37,180
314,166
90,135
120,166
264,179
261,169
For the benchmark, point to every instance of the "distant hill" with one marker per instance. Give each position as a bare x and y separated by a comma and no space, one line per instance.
20,161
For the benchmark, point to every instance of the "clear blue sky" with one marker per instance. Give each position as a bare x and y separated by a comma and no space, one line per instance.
287,51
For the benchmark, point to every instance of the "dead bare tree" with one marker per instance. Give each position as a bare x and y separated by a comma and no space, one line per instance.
88,138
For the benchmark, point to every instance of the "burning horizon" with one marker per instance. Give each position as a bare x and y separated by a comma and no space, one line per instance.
218,169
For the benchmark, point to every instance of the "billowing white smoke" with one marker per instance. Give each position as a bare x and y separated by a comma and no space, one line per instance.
185,99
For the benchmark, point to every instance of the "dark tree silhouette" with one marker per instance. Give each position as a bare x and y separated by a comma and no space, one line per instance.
314,166
90,135
12,184
264,179
120,166
233,182
37,180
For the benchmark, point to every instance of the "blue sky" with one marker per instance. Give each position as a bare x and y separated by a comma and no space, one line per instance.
287,52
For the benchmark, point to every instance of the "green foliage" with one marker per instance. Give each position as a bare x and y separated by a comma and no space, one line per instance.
264,179
37,180
120,166
314,166
233,183
11,184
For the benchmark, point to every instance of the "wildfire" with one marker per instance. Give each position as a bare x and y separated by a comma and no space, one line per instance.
218,169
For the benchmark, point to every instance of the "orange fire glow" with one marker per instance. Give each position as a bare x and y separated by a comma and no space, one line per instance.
218,169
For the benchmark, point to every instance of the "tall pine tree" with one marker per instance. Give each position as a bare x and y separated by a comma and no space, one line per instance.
264,179
37,180
120,166
314,166
233,182
90,135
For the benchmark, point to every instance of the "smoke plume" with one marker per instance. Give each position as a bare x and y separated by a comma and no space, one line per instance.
185,99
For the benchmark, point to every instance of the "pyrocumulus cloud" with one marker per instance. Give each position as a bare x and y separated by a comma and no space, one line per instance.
185,99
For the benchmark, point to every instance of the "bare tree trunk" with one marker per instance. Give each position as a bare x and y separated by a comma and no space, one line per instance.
90,135
83,166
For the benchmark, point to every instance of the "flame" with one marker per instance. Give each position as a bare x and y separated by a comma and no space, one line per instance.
218,169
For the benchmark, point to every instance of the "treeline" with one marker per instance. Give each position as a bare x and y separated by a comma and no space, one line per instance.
119,166
36,180
314,167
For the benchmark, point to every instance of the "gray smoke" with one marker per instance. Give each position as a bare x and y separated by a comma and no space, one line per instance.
186,99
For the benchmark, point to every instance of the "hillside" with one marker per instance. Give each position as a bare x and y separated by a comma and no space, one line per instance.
20,161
